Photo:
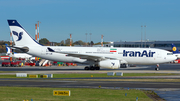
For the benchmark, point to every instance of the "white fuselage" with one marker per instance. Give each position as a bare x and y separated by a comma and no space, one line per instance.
127,55
106,57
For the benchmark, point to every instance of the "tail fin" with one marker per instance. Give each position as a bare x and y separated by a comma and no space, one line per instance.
20,36
174,49
8,50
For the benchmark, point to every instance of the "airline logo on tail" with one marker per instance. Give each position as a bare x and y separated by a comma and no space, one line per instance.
19,36
8,50
174,49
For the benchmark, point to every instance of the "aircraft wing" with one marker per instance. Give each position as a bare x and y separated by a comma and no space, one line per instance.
83,56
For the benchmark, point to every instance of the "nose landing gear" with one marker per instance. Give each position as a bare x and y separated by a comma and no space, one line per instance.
157,67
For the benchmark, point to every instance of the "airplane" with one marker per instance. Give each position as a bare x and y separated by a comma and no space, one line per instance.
175,50
95,57
17,55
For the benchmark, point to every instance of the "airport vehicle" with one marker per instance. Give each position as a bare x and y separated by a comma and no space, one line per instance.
6,64
12,64
4,57
17,55
29,64
95,57
175,50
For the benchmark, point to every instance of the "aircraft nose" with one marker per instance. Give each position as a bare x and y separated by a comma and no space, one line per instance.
171,57
174,57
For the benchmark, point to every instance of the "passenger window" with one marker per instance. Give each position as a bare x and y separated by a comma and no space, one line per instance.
169,53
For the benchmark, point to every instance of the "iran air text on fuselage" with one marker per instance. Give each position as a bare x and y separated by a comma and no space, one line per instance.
137,53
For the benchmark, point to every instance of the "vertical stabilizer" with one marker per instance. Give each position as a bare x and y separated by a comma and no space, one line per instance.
20,36
174,49
8,50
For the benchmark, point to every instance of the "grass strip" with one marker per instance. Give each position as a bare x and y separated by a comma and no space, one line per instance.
9,71
105,75
142,80
77,94
75,75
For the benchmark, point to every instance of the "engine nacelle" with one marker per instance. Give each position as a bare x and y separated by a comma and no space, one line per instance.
112,64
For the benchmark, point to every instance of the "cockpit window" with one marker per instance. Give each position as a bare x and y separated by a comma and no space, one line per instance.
169,53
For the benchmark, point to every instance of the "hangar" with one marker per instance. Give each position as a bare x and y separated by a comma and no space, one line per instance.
153,44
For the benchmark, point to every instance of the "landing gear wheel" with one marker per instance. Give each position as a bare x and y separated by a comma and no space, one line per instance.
92,68
86,68
156,68
97,68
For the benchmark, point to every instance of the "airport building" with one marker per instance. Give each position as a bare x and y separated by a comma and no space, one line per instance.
153,44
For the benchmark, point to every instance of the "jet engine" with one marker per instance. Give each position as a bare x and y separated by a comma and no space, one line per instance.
112,64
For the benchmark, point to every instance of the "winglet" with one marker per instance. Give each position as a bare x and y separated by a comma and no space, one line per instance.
51,50
174,49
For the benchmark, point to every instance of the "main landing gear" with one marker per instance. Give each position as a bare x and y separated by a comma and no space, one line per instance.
157,67
92,68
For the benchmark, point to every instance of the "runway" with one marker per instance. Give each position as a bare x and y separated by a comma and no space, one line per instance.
74,82
88,84
164,68
168,66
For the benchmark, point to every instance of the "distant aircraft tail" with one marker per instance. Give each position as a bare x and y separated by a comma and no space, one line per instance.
20,36
8,50
174,49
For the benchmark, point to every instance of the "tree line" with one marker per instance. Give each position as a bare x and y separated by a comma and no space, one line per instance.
2,46
46,42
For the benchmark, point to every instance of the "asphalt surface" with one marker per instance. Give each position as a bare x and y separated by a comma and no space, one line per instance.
168,67
88,84
169,95
56,82
84,83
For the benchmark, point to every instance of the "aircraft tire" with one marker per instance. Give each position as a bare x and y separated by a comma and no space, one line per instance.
92,68
86,68
156,69
97,68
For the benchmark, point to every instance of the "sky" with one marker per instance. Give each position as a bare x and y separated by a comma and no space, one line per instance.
116,20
